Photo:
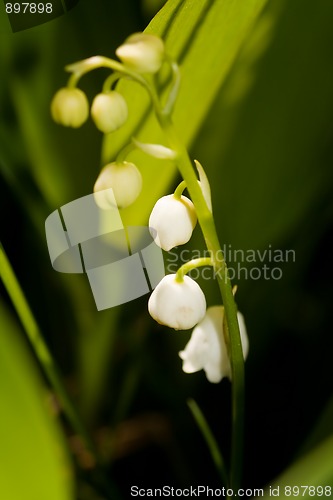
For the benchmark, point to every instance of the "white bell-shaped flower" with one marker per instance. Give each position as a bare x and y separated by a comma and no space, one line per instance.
109,111
172,221
125,180
142,52
177,304
70,107
207,349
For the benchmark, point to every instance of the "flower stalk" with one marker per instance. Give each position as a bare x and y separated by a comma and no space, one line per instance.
207,224
179,190
145,53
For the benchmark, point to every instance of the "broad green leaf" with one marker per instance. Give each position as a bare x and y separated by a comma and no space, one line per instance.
34,463
204,37
265,140
314,469
322,429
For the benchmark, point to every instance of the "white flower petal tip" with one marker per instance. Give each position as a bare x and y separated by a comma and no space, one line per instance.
109,111
172,221
125,180
155,150
142,52
207,350
69,107
179,305
204,184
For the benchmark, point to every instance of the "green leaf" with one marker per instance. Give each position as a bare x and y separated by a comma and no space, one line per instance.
265,141
34,464
204,37
211,442
314,469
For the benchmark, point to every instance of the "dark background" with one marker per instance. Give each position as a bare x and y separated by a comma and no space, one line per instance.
267,148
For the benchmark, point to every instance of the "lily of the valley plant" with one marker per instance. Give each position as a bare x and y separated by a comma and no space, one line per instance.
219,341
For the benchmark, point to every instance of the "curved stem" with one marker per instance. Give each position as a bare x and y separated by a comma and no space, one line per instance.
179,190
111,80
81,68
123,153
192,264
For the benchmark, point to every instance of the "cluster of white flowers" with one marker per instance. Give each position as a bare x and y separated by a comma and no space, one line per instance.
141,53
70,108
177,301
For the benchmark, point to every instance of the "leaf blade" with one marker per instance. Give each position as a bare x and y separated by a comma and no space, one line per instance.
209,32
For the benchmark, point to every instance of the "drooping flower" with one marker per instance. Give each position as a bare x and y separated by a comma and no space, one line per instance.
142,52
109,111
207,349
177,304
172,221
70,107
125,180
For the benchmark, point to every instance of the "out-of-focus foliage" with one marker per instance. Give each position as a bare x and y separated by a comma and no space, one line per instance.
33,461
312,471
265,80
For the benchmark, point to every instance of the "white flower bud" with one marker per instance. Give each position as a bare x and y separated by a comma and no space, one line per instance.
207,349
179,305
125,180
172,221
69,107
109,111
142,52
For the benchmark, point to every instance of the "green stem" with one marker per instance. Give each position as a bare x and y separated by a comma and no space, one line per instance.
80,68
123,153
40,348
192,264
179,190
208,228
110,81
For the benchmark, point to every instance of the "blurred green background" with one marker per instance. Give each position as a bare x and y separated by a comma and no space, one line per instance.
256,108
